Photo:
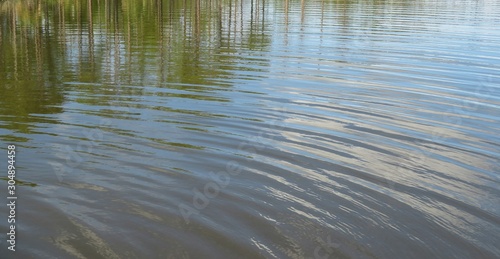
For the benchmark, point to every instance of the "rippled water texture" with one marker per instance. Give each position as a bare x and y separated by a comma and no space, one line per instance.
252,128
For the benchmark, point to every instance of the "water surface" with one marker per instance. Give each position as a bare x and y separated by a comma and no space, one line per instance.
252,128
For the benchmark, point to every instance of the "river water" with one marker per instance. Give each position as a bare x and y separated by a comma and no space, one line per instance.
251,128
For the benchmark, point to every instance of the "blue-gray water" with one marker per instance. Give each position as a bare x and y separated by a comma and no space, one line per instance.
251,128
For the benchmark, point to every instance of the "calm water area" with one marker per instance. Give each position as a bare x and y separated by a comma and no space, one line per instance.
251,128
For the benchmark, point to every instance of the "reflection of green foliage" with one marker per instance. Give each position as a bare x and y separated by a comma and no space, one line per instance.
101,50
176,144
13,139
29,66
171,35
19,182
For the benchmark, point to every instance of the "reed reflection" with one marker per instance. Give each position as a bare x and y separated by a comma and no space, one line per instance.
122,27
50,48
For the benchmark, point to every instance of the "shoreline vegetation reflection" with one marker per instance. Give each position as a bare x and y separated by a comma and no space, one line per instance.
50,48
